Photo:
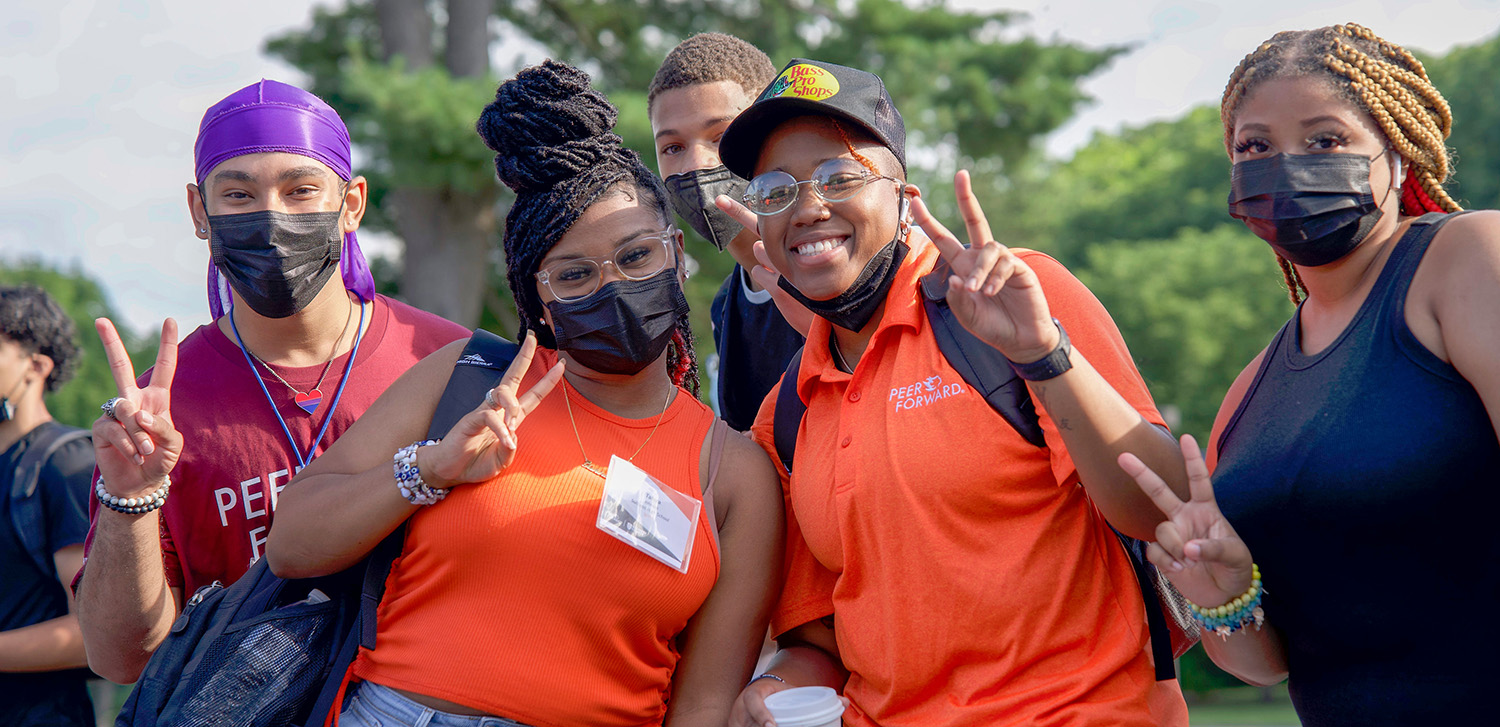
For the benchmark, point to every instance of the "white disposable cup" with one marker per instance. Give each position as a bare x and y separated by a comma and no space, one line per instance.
806,707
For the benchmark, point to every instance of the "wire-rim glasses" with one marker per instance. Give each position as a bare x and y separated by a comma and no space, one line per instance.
573,279
835,180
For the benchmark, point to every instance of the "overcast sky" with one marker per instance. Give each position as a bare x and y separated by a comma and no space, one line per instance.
102,102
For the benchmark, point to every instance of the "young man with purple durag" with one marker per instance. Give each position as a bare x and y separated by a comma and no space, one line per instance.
193,454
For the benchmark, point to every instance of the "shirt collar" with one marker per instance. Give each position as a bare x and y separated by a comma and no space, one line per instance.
903,309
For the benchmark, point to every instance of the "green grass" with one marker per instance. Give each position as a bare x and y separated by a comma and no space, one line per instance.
1242,706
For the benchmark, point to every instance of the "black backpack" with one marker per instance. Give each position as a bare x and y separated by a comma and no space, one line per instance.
26,516
986,370
271,651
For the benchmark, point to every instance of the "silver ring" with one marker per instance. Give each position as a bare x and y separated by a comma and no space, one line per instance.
108,407
489,399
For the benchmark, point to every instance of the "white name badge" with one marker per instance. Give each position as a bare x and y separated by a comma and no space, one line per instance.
649,516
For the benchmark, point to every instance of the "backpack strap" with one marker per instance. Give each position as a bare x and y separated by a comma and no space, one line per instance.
1156,619
26,513
978,363
789,410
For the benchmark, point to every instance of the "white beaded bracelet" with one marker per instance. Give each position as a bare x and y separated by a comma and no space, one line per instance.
133,505
409,479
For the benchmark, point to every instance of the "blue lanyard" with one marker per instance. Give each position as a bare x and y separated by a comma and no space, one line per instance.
302,461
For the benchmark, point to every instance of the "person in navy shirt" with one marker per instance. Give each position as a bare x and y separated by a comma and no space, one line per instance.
701,86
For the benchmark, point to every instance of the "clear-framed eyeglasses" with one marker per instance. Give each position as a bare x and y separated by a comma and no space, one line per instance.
834,180
572,279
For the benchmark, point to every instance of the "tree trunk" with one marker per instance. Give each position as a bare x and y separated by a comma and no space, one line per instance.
448,242
448,236
467,53
405,30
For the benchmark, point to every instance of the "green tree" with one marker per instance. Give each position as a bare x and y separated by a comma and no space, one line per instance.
1194,309
1466,78
1145,182
77,402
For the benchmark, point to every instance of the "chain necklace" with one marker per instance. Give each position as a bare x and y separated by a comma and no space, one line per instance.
588,464
309,400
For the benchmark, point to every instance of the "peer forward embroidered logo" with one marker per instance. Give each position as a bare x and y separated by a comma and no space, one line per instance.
924,392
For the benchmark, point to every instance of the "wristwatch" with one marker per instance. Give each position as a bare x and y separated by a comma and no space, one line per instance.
1052,365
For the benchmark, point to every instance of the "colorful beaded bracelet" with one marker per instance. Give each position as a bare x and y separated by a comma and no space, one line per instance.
409,479
1231,617
133,505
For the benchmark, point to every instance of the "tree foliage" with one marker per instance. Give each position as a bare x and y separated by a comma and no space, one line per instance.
1466,77
77,402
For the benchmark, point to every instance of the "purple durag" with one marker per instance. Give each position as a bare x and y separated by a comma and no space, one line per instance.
273,116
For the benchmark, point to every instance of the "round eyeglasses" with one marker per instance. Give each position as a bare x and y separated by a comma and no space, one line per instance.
834,181
577,278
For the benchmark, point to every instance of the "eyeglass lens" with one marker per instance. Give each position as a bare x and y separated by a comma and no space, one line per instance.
834,180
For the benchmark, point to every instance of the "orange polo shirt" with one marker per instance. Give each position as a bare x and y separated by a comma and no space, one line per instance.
971,579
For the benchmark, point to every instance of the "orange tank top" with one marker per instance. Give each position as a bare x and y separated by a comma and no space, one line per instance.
508,599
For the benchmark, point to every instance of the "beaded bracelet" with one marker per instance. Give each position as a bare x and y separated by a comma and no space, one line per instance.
409,479
767,675
133,505
1241,612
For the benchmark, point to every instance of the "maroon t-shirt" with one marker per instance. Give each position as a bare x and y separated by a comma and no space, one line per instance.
235,457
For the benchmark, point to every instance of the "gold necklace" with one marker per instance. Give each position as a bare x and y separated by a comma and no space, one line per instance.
588,464
309,400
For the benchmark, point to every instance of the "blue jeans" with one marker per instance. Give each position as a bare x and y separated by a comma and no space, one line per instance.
372,705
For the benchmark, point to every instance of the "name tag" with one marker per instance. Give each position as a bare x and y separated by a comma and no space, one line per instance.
647,515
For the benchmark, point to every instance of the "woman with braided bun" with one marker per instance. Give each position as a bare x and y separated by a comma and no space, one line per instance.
522,595
1354,459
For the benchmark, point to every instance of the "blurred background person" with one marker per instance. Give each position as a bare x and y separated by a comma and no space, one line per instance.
702,85
45,471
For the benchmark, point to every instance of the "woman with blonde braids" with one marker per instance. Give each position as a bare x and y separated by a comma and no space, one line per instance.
1354,460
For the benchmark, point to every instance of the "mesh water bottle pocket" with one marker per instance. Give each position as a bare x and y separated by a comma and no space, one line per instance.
263,672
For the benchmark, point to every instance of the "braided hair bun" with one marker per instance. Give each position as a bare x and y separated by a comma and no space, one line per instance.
547,125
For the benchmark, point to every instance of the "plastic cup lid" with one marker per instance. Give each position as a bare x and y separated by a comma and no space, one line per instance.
805,706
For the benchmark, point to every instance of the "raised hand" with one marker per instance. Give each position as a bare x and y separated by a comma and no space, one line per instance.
1196,548
138,448
992,292
765,274
484,441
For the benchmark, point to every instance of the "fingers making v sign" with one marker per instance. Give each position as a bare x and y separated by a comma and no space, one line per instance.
992,292
484,441
1196,547
135,444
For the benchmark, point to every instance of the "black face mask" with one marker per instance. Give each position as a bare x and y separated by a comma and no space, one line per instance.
277,262
624,326
693,196
853,308
1319,205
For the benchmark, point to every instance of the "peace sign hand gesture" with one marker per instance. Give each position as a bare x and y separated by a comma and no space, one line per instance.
1196,548
137,448
484,441
992,292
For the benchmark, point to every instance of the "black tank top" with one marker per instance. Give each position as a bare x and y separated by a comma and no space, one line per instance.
1366,481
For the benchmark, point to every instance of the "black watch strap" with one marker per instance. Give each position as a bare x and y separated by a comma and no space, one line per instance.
1052,365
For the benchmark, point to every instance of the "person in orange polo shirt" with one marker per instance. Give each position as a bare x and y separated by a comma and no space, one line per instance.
941,569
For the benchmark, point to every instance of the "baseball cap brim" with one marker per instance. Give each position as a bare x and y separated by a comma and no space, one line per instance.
740,146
